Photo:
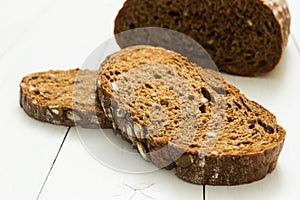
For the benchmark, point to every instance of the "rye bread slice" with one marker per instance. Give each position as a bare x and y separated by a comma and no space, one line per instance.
50,97
195,121
244,37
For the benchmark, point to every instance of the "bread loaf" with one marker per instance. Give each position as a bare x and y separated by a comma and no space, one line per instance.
180,116
63,98
244,37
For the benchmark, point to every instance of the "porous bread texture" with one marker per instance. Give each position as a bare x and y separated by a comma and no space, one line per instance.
245,151
159,65
201,125
244,37
63,97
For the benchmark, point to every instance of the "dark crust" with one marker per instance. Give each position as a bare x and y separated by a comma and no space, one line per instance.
43,113
280,17
231,169
40,112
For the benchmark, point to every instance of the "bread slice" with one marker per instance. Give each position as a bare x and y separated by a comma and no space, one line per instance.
63,98
183,116
244,37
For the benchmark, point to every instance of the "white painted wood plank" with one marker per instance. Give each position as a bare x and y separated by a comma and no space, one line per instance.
27,147
278,91
294,6
77,175
16,17
70,31
32,43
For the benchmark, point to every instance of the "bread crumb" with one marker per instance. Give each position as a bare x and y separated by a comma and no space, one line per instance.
250,23
203,100
211,41
215,176
31,88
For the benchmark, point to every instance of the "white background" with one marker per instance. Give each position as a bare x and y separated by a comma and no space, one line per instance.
42,161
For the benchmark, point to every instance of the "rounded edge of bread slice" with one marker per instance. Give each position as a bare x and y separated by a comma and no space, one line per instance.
246,149
49,97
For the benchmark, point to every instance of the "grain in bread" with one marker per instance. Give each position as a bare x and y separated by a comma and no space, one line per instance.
195,122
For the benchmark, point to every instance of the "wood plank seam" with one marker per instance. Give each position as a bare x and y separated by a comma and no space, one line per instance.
53,163
295,42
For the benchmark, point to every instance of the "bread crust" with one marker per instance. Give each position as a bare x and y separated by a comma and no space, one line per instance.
232,169
62,113
235,47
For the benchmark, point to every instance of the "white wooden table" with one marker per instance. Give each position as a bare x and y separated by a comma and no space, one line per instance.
42,161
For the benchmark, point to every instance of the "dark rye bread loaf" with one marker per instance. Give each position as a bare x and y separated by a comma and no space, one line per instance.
244,37
179,115
49,97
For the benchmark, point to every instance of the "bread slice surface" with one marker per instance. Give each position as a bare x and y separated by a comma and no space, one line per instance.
195,122
63,97
244,37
